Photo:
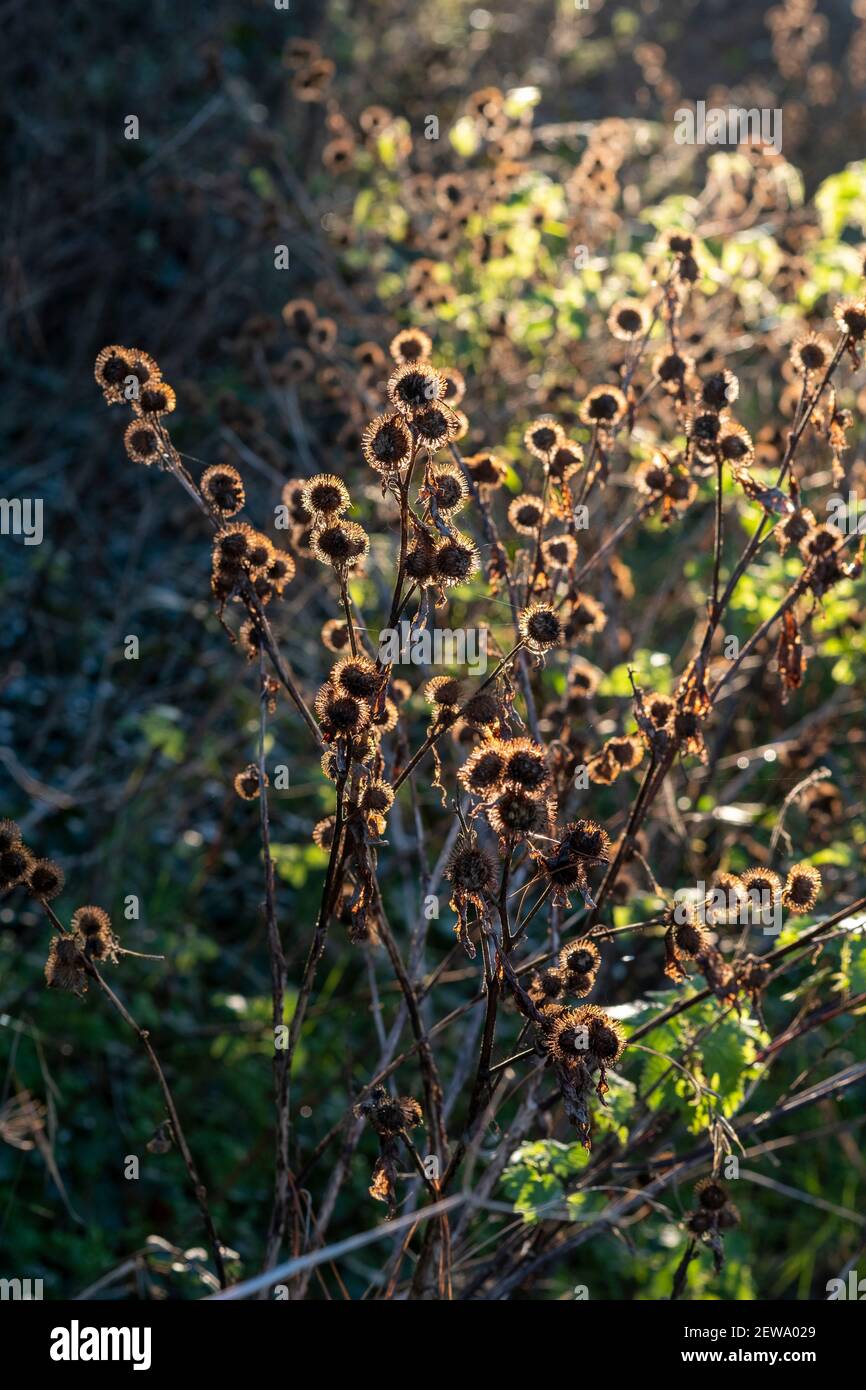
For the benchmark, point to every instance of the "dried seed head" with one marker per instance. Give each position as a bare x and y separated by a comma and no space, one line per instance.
445,691
525,765
341,714
526,513
801,890
45,879
15,864
850,315
415,386
247,783
540,627
10,835
516,812
410,345
142,443
470,868
63,968
323,832
222,486
357,675
483,769
341,544
154,400
456,560
447,487
486,470
325,497
543,436
604,407
711,1194
580,958
386,443
811,354
627,320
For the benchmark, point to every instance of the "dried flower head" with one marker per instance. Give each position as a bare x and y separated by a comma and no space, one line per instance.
540,627
63,968
801,889
543,436
526,513
247,783
325,497
410,345
142,442
482,772
222,487
45,879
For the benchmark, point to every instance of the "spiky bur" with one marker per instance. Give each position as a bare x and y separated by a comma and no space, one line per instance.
93,934
391,1117
582,1044
472,874
247,782
713,1215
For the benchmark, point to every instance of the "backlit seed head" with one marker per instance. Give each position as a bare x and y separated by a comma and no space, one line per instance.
482,772
335,635
341,544
470,868
10,835
325,496
628,320
483,709
720,390
142,443
434,425
604,407
323,832
541,628
802,887
486,470
580,957
559,552
543,436
586,1034
850,316
517,812
45,879
386,443
155,400
566,460
341,714
811,354
111,369
15,863
525,514
222,486
293,498
63,968
446,691
456,560
377,796
247,783
447,487
410,345
415,386
525,765
357,675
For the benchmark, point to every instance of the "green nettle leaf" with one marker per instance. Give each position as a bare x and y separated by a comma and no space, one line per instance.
537,1174
718,1049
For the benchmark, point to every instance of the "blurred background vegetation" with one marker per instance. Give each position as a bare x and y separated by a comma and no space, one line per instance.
122,770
